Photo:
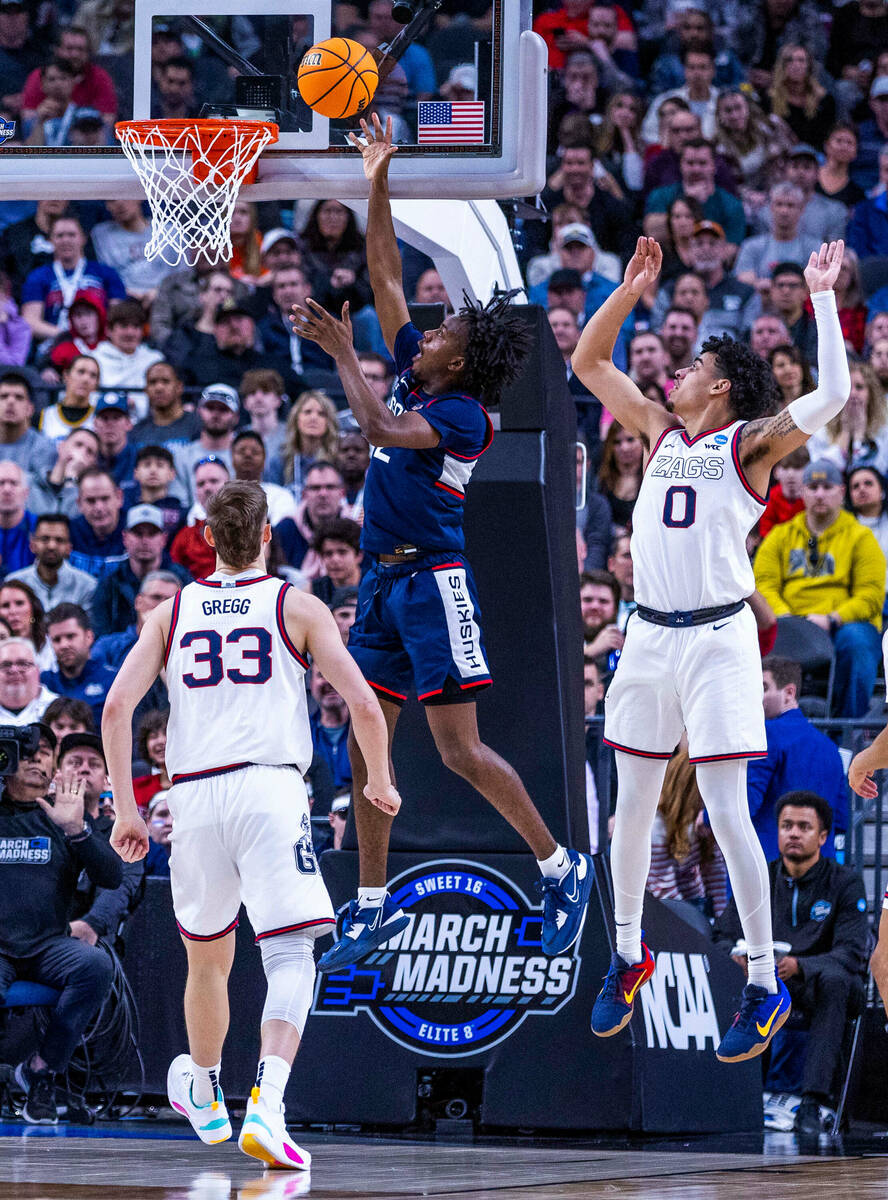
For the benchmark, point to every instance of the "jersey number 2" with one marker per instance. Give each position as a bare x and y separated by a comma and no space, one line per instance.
212,656
687,507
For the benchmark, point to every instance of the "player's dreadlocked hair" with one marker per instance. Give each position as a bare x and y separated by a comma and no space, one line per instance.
497,342
754,390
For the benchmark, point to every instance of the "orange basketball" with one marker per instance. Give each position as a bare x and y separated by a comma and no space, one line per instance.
337,78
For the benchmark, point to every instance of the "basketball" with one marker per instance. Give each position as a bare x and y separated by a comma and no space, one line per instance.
337,78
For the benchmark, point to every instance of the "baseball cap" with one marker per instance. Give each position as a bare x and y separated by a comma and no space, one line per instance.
277,235
565,280
803,150
464,75
576,232
822,471
709,227
45,732
342,597
340,804
86,116
156,799
880,86
144,514
231,308
71,741
220,393
112,402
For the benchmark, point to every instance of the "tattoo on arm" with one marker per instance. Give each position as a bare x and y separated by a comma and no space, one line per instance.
764,432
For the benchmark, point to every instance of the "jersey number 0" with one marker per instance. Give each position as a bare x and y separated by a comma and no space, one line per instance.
260,654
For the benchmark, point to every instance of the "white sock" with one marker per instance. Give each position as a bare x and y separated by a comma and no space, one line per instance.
271,1080
205,1084
556,866
760,961
639,783
371,897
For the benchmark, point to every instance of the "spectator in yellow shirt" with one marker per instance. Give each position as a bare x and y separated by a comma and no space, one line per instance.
824,565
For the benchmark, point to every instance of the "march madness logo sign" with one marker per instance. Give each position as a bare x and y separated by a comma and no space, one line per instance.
464,974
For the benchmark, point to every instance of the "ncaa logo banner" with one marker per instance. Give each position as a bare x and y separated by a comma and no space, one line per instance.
464,974
7,130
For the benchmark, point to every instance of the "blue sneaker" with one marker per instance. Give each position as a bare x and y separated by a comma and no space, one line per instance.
564,903
615,1003
761,1015
362,930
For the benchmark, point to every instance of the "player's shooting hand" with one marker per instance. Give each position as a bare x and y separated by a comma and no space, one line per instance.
316,324
860,776
823,266
644,266
67,809
377,149
129,838
384,797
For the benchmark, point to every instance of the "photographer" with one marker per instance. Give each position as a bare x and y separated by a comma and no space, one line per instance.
44,845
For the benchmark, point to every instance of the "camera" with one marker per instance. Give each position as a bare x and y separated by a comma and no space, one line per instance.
16,743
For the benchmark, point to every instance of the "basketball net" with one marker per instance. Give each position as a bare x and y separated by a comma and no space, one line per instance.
192,172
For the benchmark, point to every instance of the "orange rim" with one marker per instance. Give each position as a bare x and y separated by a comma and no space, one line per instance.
208,130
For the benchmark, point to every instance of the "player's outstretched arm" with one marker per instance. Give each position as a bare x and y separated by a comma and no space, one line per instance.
310,621
864,765
766,441
592,361
383,259
129,837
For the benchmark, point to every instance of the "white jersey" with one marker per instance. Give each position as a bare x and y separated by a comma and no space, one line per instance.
689,526
235,680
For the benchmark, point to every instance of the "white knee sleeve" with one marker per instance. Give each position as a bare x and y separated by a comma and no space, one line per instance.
288,962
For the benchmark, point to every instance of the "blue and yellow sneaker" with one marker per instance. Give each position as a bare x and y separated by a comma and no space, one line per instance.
209,1121
362,930
615,1002
761,1015
564,903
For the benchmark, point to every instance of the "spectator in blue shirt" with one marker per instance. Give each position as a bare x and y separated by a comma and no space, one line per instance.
415,61
800,758
156,587
16,524
160,826
78,674
697,168
97,534
329,730
868,227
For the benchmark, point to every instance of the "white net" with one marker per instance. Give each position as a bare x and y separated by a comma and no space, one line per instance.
192,175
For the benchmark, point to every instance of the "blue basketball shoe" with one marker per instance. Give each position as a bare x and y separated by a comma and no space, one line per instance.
615,1003
761,1015
362,930
564,903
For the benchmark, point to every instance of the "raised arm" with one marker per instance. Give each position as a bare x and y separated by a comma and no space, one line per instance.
383,258
592,361
766,441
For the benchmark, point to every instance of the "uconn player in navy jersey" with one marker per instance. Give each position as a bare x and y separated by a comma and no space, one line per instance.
418,624
690,661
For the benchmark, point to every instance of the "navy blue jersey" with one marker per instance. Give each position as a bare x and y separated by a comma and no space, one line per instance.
417,496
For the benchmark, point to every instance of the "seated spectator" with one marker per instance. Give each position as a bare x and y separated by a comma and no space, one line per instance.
50,124
248,460
731,305
155,587
687,866
593,519
160,827
619,563
144,540
190,548
77,675
541,266
609,218
792,372
86,328
93,87
121,242
798,98
123,357
64,716
20,52
697,171
280,248
819,908
378,371
692,27
353,462
858,436
698,90
678,126
261,396
866,500
767,333
23,613
112,424
214,288
577,251
167,423
338,816
788,295
177,303
338,542
649,362
300,360
75,409
430,289
872,135
343,606
97,533
218,411
57,490
800,757
599,606
48,290
749,140
175,90
868,227
824,565
153,475
785,497
878,360
231,353
16,523
312,436
784,243
822,220
323,497
849,298
34,942
679,334
23,698
25,244
51,577
619,144
329,729
335,260
834,174
20,443
619,476
246,258
151,750
15,332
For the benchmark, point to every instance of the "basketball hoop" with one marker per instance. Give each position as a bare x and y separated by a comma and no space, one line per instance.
192,172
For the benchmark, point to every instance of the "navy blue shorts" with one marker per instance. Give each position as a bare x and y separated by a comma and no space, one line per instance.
418,626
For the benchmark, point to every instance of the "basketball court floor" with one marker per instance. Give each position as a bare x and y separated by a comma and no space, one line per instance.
143,1160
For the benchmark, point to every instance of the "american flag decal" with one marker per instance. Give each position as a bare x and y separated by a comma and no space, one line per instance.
446,122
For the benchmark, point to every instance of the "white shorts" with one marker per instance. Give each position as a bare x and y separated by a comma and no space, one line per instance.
706,679
245,836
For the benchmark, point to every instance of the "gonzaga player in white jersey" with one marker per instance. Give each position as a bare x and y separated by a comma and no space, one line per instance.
235,649
691,659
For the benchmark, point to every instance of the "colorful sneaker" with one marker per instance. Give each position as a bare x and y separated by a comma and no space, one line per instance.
564,903
209,1121
264,1136
614,1004
362,930
761,1015
40,1102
